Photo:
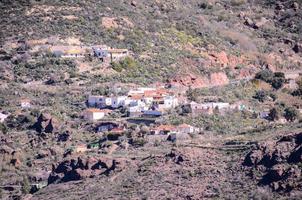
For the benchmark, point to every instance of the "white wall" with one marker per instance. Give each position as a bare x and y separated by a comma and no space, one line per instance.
93,116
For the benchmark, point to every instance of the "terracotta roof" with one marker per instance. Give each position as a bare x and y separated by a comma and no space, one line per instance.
165,128
136,97
97,110
150,93
184,126
117,130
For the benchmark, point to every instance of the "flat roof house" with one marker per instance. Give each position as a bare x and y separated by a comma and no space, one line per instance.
116,54
99,101
113,54
93,114
186,128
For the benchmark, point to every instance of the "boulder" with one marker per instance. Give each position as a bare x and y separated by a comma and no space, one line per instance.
133,3
46,123
15,162
249,22
42,154
298,48
176,156
253,158
295,6
81,168
260,23
275,163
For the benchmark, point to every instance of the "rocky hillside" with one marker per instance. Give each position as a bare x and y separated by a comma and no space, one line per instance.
233,67
278,163
168,38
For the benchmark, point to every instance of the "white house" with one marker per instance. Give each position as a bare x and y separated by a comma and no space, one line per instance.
137,106
220,105
117,102
3,117
95,100
185,128
93,114
134,109
168,102
99,101
148,100
25,103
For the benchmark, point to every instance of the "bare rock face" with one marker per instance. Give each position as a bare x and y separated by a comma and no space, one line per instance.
277,163
46,123
81,168
219,79
193,81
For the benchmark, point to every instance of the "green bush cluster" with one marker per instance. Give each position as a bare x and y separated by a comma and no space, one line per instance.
262,95
43,69
125,64
276,79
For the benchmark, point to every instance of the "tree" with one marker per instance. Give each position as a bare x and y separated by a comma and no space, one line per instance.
276,79
274,114
192,94
291,114
277,82
260,95
185,109
265,75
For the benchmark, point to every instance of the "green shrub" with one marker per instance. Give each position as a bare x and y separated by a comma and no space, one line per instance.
274,114
291,114
260,95
265,75
125,64
276,79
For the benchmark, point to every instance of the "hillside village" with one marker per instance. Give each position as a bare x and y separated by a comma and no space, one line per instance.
113,116
197,100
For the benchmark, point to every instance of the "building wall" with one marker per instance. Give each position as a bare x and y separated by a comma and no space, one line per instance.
92,116
98,115
118,102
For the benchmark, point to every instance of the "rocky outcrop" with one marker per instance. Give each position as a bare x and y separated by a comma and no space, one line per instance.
81,168
219,79
277,163
113,23
194,81
298,48
176,156
46,123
